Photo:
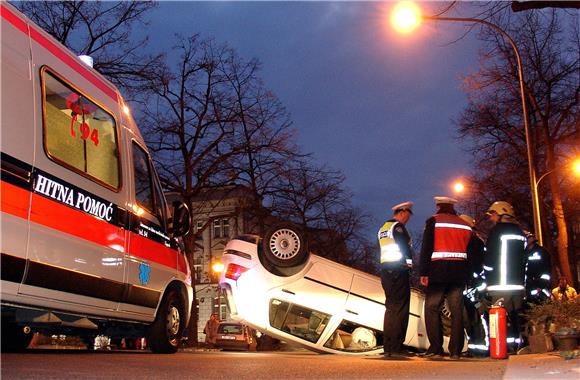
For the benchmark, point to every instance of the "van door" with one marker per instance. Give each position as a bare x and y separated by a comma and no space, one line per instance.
77,229
17,137
151,261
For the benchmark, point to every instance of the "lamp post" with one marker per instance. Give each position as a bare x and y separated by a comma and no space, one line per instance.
575,168
409,18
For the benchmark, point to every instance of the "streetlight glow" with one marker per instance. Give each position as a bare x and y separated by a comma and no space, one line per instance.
217,267
458,187
576,167
406,16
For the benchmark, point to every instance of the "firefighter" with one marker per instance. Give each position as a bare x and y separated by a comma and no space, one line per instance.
444,271
537,280
396,259
504,266
564,292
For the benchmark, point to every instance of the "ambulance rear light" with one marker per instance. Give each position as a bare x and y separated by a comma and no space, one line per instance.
234,271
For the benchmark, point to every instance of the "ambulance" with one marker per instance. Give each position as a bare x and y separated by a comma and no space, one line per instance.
89,244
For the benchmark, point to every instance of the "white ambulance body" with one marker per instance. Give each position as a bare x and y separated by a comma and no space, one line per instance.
88,241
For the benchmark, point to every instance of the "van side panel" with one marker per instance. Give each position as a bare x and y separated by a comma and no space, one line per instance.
17,145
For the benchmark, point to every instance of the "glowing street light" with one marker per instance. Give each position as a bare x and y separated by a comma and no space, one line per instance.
458,187
576,167
406,17
406,11
217,267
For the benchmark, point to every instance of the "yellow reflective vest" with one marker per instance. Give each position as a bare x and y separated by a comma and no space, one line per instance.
390,250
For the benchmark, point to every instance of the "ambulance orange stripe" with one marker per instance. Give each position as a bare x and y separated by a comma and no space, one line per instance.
14,200
57,52
68,220
65,219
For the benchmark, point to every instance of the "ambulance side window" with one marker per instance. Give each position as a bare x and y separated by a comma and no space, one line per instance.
78,133
143,185
147,187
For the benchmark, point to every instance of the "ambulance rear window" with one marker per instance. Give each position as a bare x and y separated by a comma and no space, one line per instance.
78,133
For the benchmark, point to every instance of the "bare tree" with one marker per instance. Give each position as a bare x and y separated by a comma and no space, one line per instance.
190,117
102,30
550,49
314,198
265,137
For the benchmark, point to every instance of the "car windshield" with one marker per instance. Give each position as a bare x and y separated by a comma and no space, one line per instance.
233,329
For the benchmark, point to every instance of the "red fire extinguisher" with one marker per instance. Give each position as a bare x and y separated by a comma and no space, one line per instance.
497,332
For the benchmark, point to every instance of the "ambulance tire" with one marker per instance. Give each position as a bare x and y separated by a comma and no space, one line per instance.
15,338
166,331
284,246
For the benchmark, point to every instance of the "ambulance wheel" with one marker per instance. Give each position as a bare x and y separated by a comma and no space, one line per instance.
284,246
15,338
166,331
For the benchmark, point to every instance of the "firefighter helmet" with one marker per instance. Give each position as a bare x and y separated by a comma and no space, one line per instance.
501,208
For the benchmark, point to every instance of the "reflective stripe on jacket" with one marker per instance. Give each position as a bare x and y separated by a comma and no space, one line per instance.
451,238
505,259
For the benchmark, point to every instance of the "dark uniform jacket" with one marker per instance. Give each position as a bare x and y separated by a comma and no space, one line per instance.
445,270
538,269
505,273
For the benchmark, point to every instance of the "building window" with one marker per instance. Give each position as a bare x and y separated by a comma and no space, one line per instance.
221,228
78,133
226,228
199,230
217,228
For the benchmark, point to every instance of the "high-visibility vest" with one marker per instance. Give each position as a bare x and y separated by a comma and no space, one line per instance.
390,251
451,237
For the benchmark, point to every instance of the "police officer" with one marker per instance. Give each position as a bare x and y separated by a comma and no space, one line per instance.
444,271
537,280
504,265
396,259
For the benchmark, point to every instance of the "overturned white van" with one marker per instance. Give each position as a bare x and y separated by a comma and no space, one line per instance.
89,244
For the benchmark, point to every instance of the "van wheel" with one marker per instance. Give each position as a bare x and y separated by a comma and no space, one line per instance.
15,338
284,246
166,331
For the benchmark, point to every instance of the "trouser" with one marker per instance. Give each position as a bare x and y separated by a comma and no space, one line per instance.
397,296
436,294
513,303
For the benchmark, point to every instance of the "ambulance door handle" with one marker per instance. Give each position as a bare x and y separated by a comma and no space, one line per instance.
352,312
288,291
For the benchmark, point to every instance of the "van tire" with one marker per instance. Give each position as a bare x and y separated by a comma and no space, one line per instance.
284,246
166,331
14,339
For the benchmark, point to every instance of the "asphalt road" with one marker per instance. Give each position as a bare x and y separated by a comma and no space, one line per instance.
67,364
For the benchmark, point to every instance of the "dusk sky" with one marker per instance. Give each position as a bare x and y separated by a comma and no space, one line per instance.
367,101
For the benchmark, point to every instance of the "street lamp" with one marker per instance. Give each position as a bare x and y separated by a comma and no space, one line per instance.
458,187
575,165
400,20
